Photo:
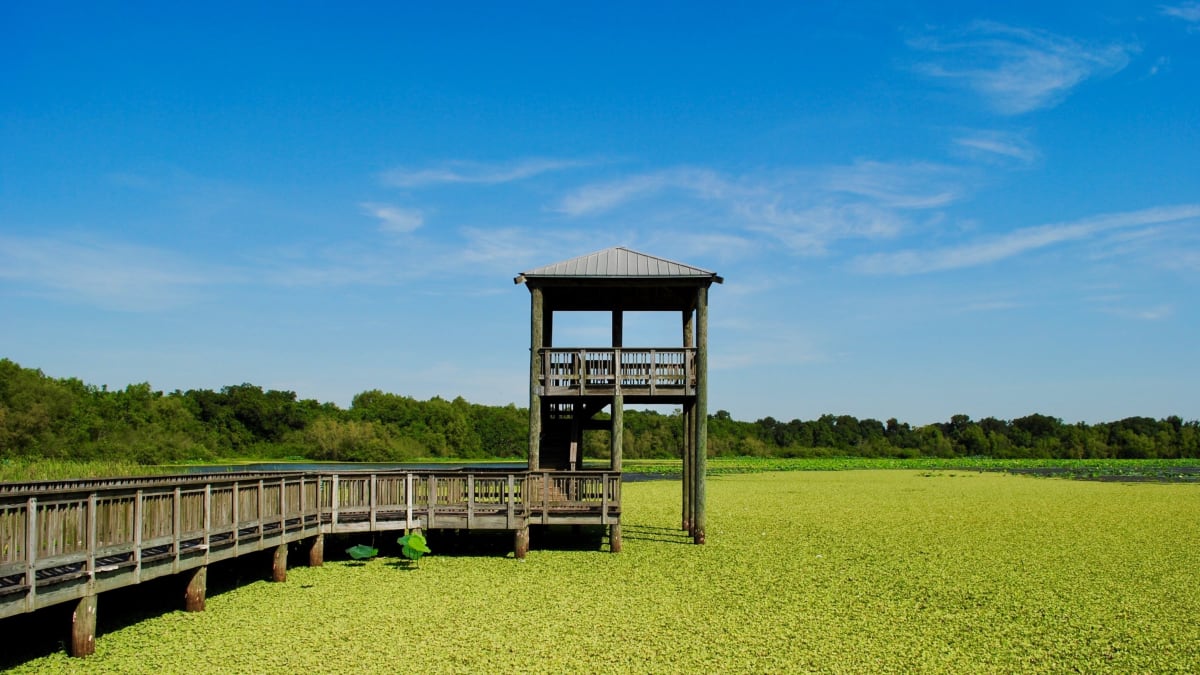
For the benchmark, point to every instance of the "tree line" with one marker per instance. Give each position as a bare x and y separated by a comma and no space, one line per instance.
44,417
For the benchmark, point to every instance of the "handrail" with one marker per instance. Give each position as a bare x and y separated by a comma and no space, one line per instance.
87,484
605,370
57,545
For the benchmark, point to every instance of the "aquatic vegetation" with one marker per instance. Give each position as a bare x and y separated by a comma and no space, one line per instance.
414,546
362,552
1173,470
933,570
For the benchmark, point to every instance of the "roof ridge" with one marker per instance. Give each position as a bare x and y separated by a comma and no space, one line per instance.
619,262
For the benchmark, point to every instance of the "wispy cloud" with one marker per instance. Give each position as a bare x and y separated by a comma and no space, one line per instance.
107,274
603,196
1151,313
906,185
1017,70
804,210
394,219
1020,241
997,146
810,229
476,172
1160,64
1186,11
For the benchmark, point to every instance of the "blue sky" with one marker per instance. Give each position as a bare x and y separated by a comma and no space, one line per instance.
920,209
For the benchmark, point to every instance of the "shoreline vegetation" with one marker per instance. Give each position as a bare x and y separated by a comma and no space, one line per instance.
1160,470
53,428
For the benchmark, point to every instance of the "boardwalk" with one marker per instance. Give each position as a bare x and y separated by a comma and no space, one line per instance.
63,541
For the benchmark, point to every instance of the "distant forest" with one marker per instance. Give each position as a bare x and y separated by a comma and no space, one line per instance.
44,417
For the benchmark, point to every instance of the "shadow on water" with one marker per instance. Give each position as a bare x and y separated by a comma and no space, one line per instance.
48,630
668,535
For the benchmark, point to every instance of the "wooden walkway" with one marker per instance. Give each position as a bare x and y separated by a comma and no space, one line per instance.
70,540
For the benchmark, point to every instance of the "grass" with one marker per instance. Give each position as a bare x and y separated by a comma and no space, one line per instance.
846,571
24,470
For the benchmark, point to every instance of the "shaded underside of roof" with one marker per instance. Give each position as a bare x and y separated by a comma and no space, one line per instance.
619,263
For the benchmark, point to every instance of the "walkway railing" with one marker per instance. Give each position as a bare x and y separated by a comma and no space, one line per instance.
78,538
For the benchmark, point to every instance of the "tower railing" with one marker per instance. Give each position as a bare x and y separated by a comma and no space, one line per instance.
584,371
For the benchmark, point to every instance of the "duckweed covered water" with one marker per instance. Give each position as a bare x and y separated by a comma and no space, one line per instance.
847,572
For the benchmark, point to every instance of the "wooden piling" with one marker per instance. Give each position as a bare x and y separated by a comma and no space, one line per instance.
701,413
279,563
197,589
521,542
617,432
536,337
316,551
687,453
83,627
614,538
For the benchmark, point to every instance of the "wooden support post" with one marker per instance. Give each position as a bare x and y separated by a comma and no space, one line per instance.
536,336
614,537
701,412
197,589
521,542
688,477
316,551
83,627
279,563
688,451
617,435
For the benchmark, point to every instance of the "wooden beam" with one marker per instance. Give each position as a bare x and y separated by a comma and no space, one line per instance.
688,477
536,337
701,412
687,453
617,435
618,328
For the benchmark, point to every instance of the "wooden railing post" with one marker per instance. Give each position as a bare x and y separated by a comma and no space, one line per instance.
511,499
139,511
91,538
176,526
333,497
31,547
408,500
373,500
583,371
262,533
470,501
429,524
237,516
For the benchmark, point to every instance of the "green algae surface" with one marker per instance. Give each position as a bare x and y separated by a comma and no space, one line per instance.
850,571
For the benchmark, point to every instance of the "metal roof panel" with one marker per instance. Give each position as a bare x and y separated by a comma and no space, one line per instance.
618,263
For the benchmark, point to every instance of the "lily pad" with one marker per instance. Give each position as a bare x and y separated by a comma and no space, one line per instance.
362,552
414,545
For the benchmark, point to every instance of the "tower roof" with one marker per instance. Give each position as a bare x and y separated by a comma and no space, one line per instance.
618,263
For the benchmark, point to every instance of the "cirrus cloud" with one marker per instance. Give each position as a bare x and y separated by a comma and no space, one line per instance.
1017,70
